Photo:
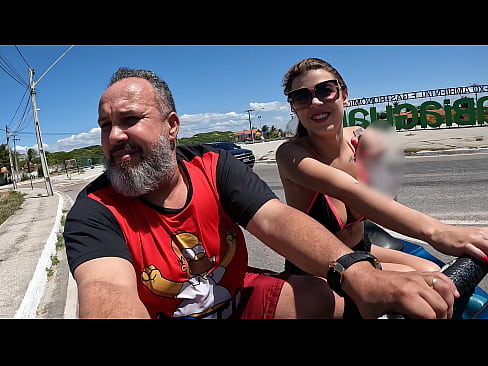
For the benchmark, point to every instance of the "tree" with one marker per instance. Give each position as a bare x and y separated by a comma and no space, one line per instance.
31,154
4,158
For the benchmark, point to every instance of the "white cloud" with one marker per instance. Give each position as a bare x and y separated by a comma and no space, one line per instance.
77,141
80,140
192,124
270,106
271,113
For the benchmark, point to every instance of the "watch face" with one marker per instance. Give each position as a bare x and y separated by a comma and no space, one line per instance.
338,267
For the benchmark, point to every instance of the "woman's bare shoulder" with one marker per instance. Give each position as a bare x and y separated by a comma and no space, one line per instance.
293,146
292,151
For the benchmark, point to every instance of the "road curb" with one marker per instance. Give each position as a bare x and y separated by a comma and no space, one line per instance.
71,307
450,151
37,284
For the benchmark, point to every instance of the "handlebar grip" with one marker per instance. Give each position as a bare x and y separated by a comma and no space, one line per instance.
465,272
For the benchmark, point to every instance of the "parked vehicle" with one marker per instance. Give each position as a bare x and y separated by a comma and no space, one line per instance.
244,155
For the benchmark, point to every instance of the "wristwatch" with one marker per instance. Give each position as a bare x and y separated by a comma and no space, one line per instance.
337,268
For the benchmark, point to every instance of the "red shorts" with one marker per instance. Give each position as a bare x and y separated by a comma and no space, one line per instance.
260,294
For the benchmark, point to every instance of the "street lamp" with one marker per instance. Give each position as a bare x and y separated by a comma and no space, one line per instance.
475,89
250,125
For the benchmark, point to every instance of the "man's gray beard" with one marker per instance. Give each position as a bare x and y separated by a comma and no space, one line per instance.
156,167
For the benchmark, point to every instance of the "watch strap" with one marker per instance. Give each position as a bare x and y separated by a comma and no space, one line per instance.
337,268
349,259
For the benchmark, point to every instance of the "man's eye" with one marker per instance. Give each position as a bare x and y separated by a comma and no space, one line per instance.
106,127
131,120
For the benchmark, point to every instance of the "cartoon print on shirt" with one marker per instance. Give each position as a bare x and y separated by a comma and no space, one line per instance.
202,295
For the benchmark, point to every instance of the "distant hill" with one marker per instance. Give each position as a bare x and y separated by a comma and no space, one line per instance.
95,152
202,138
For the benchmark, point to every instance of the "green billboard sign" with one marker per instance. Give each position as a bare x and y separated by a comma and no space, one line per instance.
463,111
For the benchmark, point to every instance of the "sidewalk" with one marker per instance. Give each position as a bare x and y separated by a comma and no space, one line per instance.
419,142
27,242
453,140
29,253
28,238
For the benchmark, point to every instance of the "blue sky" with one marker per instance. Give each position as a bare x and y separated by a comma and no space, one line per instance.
213,85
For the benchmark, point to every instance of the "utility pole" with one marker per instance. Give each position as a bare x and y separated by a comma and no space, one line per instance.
15,155
250,125
42,154
45,168
12,169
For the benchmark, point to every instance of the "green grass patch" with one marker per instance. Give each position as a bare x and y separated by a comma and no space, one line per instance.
10,202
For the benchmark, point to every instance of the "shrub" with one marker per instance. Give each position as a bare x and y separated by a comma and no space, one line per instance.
10,202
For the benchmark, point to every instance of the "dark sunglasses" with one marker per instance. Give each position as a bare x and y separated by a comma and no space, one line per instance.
325,91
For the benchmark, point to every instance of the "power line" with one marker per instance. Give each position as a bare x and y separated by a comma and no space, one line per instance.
10,71
22,56
49,133
42,154
23,133
24,114
50,67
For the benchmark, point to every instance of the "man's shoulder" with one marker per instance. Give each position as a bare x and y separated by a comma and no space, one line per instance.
97,184
190,151
97,188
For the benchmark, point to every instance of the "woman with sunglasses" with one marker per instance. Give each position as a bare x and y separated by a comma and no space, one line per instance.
321,176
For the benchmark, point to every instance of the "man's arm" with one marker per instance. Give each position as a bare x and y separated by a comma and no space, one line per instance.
107,288
296,236
309,245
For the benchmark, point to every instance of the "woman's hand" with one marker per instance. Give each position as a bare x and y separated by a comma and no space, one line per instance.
462,240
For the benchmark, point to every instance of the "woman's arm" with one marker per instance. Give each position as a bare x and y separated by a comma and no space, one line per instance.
295,165
308,244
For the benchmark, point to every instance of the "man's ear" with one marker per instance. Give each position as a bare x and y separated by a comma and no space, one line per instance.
174,125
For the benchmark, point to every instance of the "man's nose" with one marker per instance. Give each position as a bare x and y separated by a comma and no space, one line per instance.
117,134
